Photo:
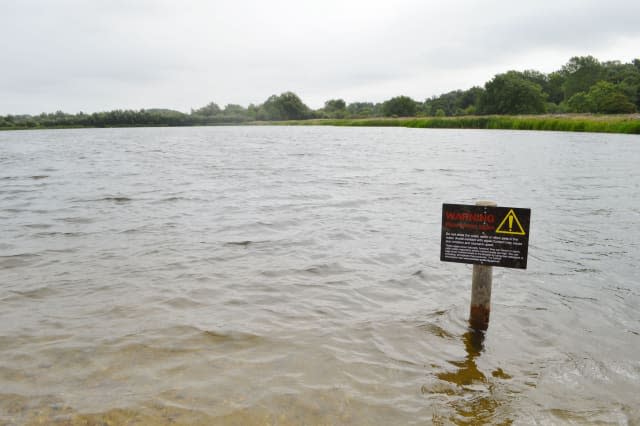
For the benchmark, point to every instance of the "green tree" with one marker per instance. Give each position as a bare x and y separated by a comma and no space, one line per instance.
401,106
252,112
551,84
208,110
607,98
603,98
616,103
470,98
457,102
511,93
554,88
581,102
269,109
234,109
287,106
292,106
581,72
448,102
536,77
626,77
361,109
335,108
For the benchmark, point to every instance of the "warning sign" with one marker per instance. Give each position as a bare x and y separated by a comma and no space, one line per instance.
510,225
484,235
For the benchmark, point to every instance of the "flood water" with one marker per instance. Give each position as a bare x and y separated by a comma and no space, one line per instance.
291,275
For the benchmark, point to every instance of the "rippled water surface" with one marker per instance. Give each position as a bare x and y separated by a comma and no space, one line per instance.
291,275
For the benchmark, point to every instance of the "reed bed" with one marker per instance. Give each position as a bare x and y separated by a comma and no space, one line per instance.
629,124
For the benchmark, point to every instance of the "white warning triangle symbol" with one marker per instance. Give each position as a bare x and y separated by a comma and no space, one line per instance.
510,225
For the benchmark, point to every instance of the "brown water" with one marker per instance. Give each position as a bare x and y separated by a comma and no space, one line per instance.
287,275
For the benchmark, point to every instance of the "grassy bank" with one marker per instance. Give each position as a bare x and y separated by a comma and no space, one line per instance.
629,123
567,123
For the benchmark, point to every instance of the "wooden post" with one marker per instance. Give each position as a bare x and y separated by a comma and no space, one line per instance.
481,290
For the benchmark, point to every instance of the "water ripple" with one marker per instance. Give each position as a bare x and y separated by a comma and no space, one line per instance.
267,275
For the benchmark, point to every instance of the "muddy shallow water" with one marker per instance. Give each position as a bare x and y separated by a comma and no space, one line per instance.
291,275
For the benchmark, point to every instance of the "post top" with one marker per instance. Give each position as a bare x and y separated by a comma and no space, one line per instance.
486,203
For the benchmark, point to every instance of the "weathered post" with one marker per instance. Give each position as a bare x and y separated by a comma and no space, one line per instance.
481,290
486,236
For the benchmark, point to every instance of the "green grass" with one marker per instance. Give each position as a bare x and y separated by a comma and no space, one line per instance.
566,123
629,123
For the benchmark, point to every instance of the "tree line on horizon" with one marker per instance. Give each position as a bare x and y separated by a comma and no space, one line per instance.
582,85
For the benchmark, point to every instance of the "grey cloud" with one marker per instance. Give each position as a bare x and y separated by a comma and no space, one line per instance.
577,27
72,54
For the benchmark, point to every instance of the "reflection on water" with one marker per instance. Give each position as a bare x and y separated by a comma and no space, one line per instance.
467,372
267,275
477,400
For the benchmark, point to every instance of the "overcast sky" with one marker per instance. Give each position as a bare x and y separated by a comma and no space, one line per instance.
97,55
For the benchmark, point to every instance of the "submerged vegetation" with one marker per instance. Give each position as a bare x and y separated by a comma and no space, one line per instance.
527,99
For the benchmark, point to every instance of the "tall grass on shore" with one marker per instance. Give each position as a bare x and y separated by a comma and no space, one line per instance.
628,123
567,123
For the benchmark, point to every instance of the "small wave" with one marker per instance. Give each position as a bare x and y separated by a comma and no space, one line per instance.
17,260
239,243
348,203
437,331
59,234
82,220
323,270
17,192
221,336
170,199
38,177
38,293
573,297
38,226
131,231
183,303
186,337
116,199
587,270
326,269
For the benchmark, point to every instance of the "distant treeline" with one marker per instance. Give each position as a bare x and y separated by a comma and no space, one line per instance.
583,85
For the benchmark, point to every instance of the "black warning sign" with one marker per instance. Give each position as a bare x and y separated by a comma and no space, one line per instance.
484,235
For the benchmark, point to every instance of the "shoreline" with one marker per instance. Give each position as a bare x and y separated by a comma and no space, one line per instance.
623,124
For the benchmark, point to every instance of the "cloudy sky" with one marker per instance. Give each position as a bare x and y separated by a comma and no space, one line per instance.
96,55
